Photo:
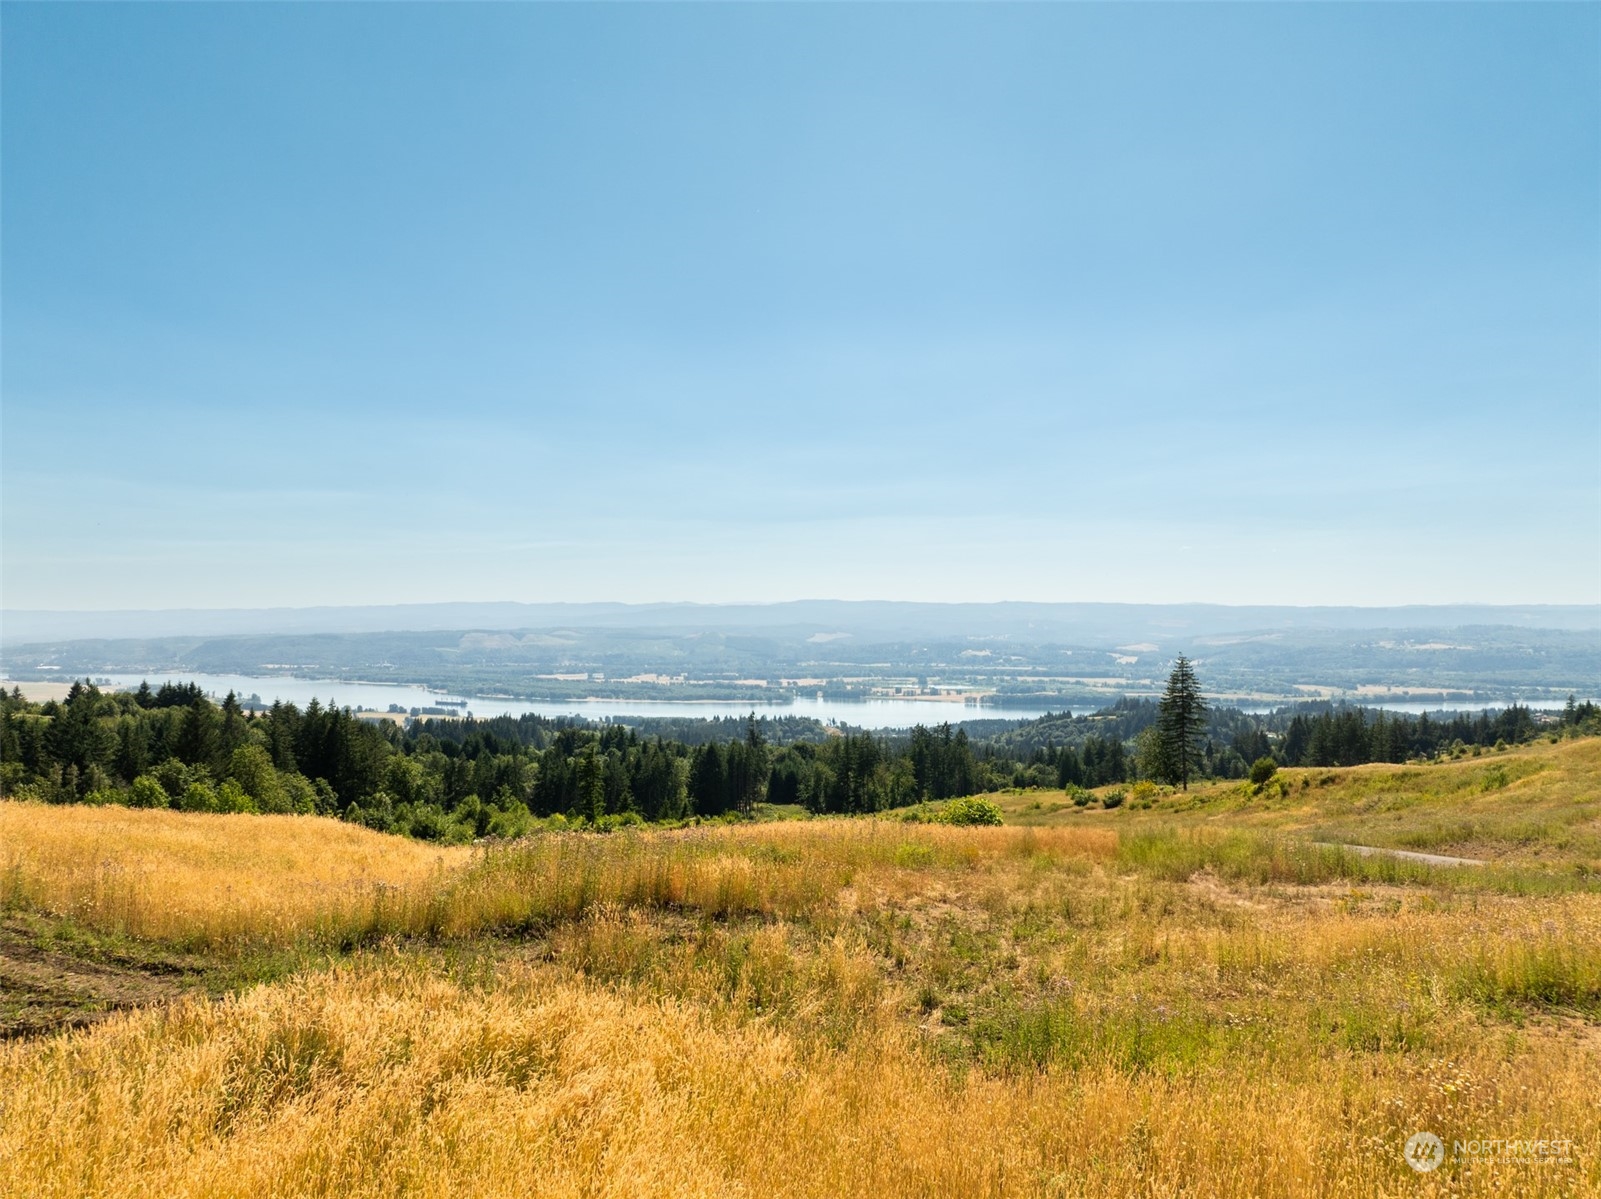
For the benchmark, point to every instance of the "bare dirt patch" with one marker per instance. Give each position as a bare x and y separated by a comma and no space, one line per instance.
45,987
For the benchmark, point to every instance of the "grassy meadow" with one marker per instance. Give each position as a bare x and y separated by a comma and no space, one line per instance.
1199,995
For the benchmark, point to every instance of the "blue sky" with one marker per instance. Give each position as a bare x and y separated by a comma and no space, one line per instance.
378,303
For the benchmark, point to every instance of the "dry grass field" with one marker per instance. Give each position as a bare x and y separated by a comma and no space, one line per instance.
1536,805
167,876
1186,998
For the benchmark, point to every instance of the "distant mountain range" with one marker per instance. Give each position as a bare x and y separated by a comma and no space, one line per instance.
1070,622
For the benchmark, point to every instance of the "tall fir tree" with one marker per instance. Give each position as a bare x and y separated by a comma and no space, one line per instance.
592,784
1181,722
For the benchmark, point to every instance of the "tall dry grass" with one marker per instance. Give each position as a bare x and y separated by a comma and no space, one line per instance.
203,879
206,880
819,1008
782,871
386,1080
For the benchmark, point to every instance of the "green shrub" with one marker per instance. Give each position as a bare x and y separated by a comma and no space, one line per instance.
231,797
511,822
426,822
300,795
251,769
973,810
175,778
913,856
146,792
1114,799
198,797
1263,769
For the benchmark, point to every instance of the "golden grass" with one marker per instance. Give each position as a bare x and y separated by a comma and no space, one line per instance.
818,1008
387,1079
1533,805
206,879
202,879
769,870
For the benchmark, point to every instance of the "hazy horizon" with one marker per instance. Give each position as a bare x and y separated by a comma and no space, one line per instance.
351,305
881,617
802,599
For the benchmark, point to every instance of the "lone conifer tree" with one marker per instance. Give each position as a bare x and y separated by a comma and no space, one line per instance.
1181,721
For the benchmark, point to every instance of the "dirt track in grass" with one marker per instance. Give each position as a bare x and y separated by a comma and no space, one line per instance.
45,988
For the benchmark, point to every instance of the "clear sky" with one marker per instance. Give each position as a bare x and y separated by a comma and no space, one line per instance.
312,304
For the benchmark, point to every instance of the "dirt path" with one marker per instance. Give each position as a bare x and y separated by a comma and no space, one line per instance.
44,987
1410,855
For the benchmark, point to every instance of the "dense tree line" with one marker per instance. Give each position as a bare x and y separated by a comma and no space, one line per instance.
458,779
1080,749
449,779
1351,736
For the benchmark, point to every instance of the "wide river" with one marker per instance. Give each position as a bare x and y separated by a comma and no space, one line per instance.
869,713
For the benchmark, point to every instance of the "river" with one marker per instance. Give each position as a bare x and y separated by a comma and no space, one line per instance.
865,713
860,713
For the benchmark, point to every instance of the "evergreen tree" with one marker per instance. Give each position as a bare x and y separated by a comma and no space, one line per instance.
1181,722
1155,757
708,781
747,765
133,748
592,784
1069,769
234,731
